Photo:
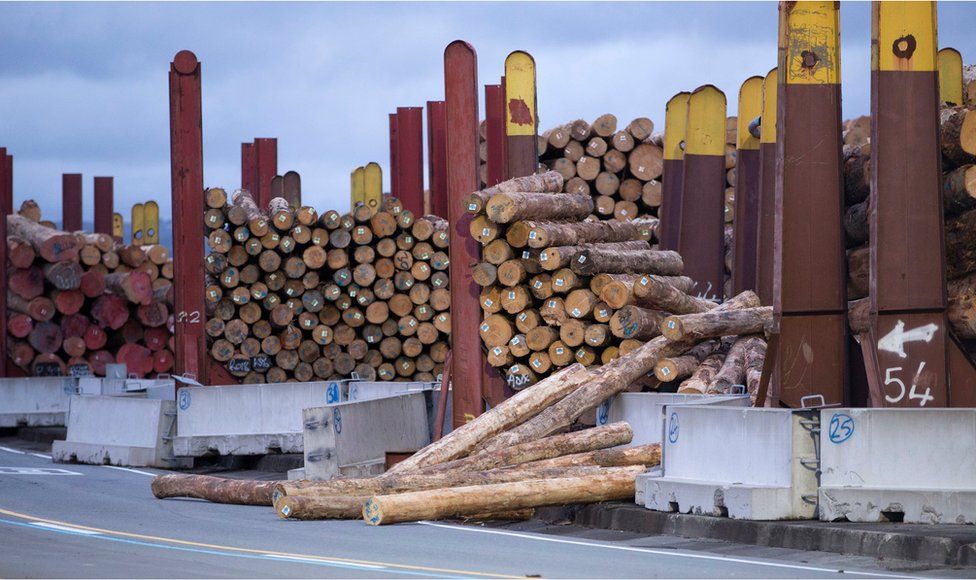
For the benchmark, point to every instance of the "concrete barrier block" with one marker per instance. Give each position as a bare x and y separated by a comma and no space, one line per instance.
125,431
644,412
244,419
353,438
36,401
911,465
744,463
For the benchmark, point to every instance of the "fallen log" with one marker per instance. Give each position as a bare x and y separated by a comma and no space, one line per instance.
214,489
548,234
614,483
701,379
657,292
648,455
545,448
716,323
597,261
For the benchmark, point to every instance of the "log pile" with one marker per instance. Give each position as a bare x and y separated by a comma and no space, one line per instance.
521,454
294,295
77,301
559,289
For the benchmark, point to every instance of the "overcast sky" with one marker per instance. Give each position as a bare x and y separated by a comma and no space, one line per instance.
83,86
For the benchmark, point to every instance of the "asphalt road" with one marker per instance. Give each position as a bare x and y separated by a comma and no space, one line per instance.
90,521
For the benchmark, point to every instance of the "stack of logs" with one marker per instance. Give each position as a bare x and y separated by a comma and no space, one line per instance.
78,301
558,290
515,457
295,296
958,137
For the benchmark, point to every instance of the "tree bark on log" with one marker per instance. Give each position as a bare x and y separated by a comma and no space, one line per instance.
548,182
547,234
546,448
679,367
700,380
716,323
960,244
958,135
613,484
733,371
596,261
959,190
636,323
504,208
50,244
213,489
656,292
557,257
606,381
647,455
515,410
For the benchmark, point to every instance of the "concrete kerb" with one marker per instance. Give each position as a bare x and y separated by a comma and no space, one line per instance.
934,546
35,401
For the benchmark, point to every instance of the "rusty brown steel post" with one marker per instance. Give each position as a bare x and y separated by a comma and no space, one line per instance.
6,208
521,115
394,166
767,190
701,237
410,158
437,157
495,134
461,96
675,121
249,170
810,294
71,204
186,161
907,279
266,167
747,180
104,205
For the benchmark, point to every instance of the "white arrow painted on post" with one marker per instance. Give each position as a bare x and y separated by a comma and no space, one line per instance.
895,340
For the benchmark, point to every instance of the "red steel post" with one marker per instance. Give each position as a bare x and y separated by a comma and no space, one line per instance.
675,121
521,115
495,134
394,166
249,170
186,161
907,274
745,250
461,92
71,203
701,238
437,157
410,158
6,208
104,205
809,281
266,167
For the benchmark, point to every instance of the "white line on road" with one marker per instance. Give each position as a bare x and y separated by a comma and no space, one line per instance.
130,470
65,528
9,450
41,455
323,561
658,552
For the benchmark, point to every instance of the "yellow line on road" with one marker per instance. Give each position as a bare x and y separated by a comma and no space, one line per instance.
248,550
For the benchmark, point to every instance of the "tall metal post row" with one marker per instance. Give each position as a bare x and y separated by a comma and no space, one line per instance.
461,96
521,115
265,168
437,157
394,164
410,158
249,171
907,279
809,282
495,134
71,202
186,161
675,122
701,238
104,205
950,76
767,190
6,208
745,252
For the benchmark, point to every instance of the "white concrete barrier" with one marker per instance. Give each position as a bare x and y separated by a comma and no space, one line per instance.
126,431
744,463
244,419
352,438
645,411
35,401
912,465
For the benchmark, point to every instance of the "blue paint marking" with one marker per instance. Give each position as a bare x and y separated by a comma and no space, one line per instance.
673,428
337,420
603,413
841,428
184,399
332,394
279,559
